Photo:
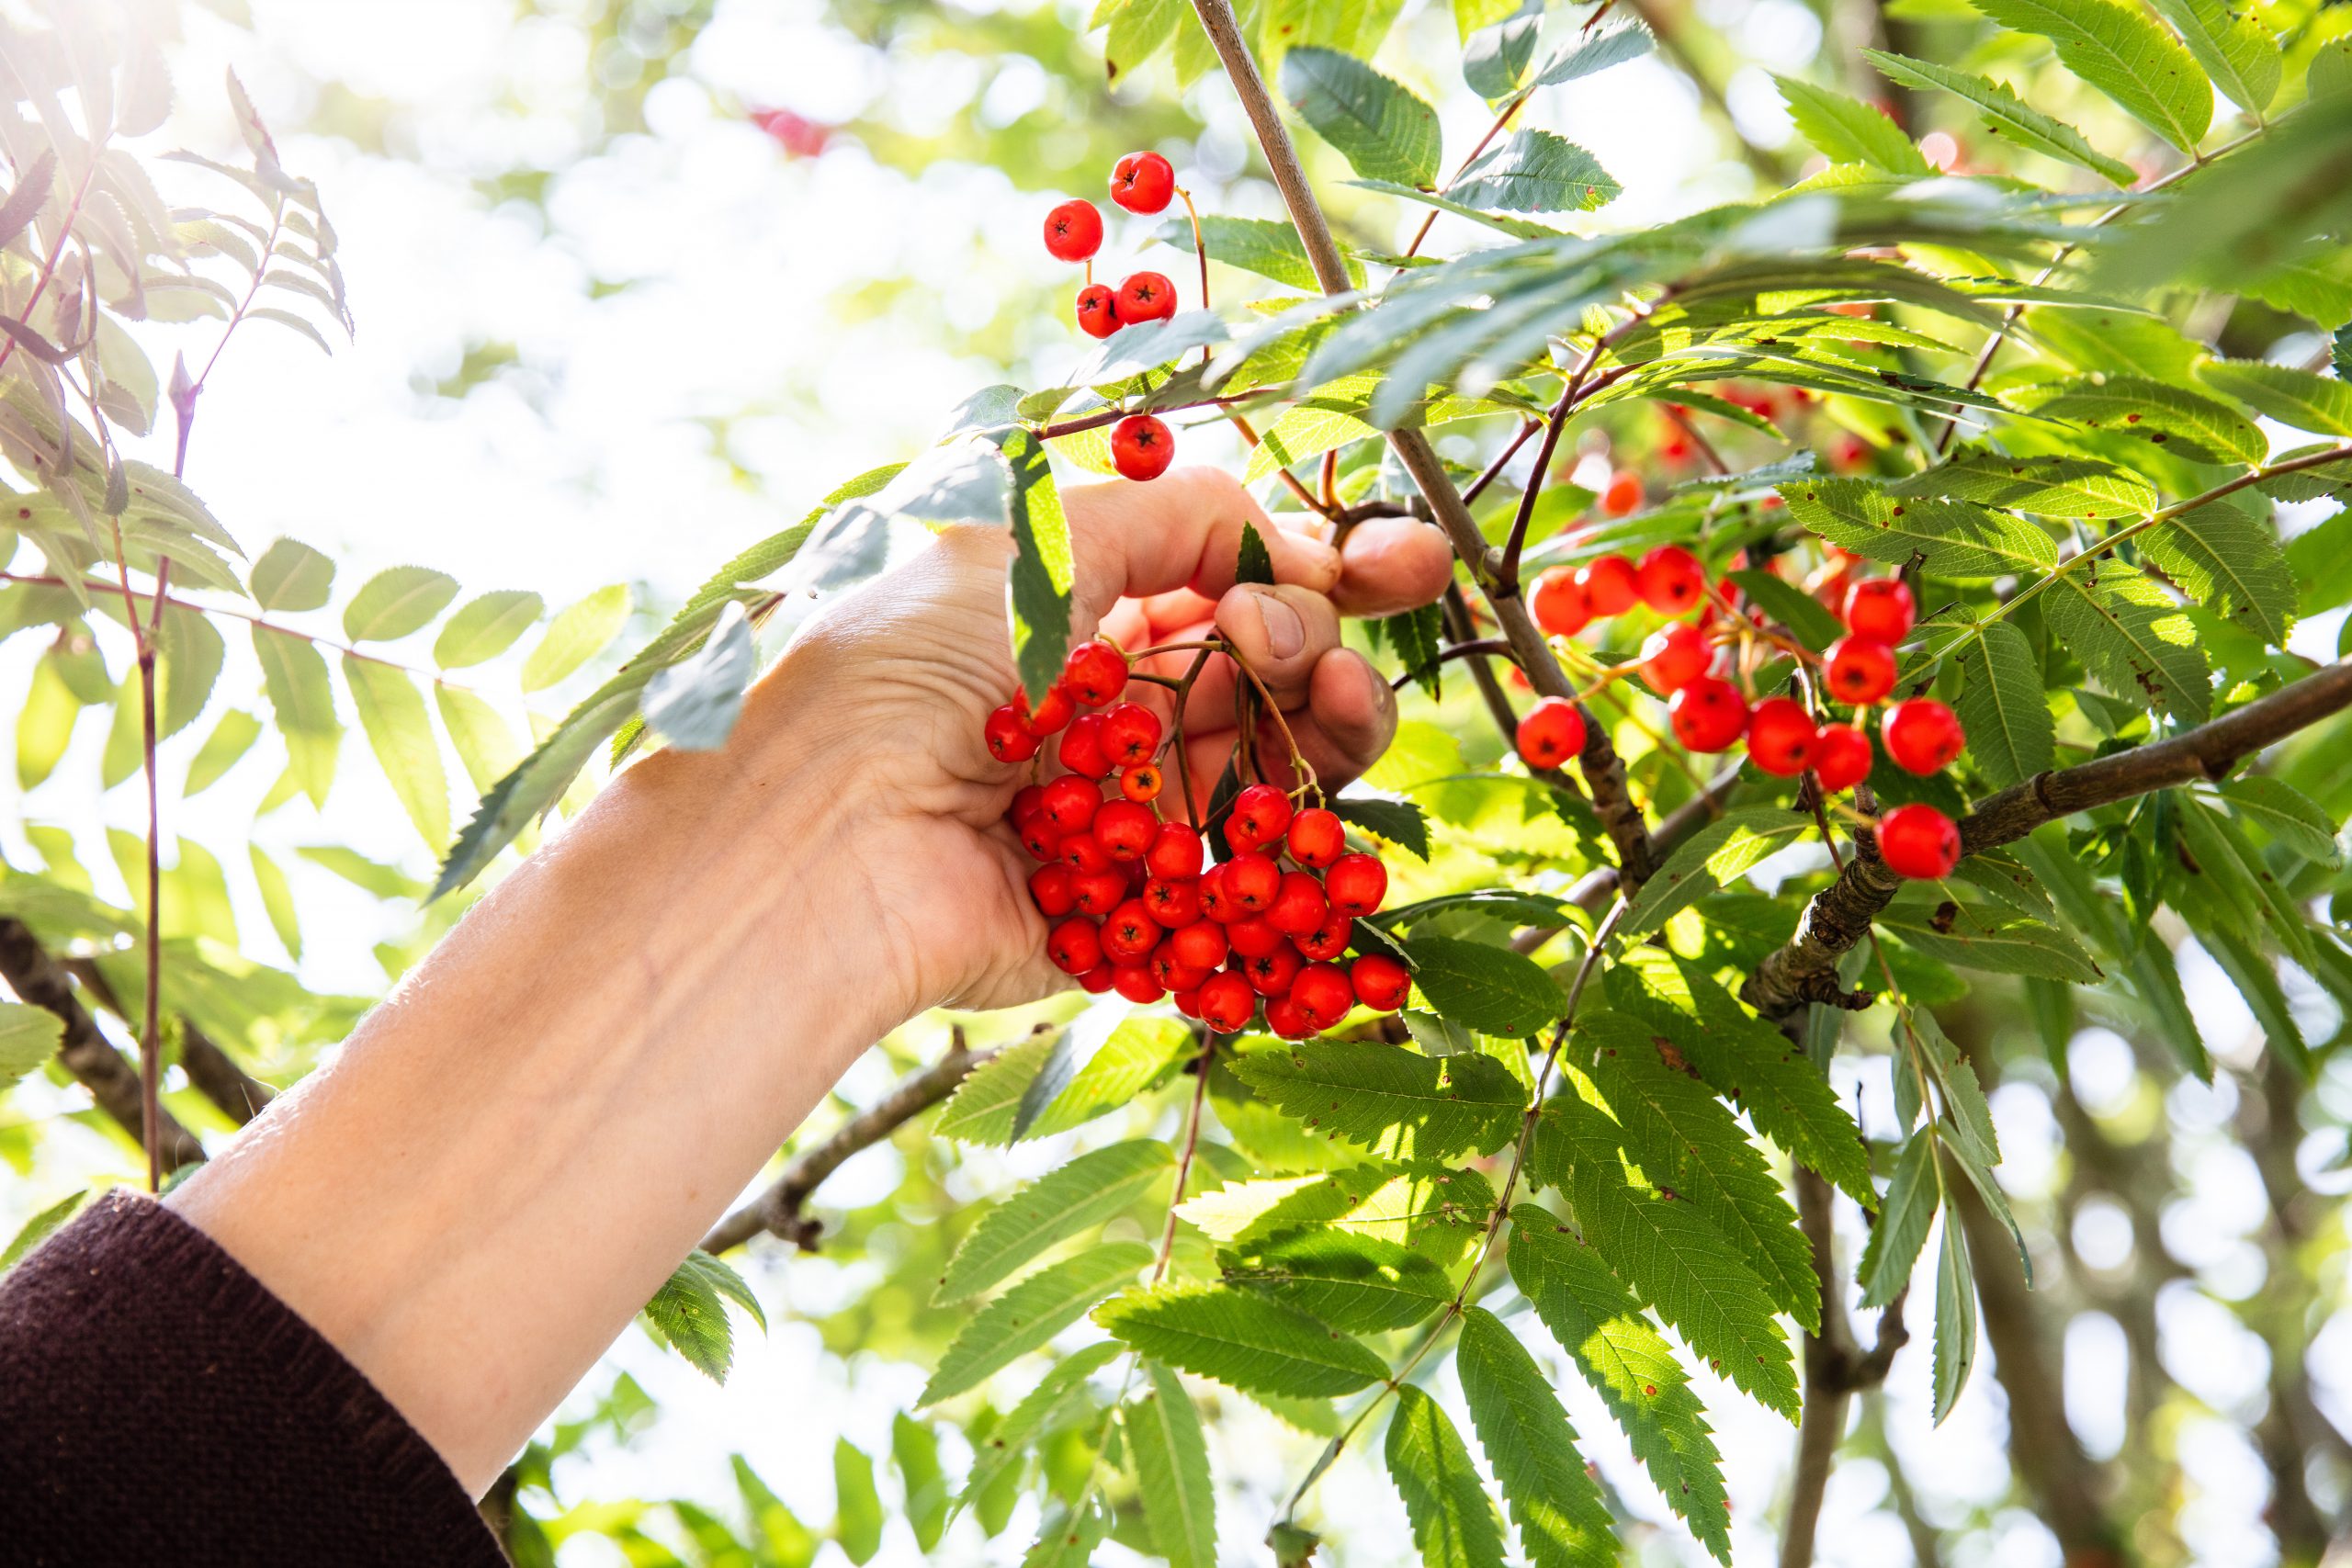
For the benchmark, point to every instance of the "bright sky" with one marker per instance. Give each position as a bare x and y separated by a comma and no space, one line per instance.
598,462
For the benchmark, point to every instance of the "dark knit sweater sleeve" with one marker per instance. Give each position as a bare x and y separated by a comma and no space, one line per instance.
158,1405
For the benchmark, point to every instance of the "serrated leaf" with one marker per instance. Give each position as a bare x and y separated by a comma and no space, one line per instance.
484,742
1141,1052
1629,1365
1791,606
1709,860
301,697
2182,423
1492,990
1429,1208
1535,171
1507,904
1254,562
1589,52
1029,1314
1517,228
689,1313
2125,55
2290,396
1358,1283
2005,114
1400,822
982,1107
1389,1101
1006,1445
857,1505
1043,570
2289,816
1563,1521
1240,1337
28,1037
1267,246
1956,539
577,634
2135,642
2232,563
278,901
39,1229
396,602
1139,29
1495,56
2236,51
1453,1524
485,627
1904,1219
1171,1459
1955,1342
914,1451
290,575
1088,1190
1383,131
1847,130
693,703
2077,489
2000,703
233,735
2005,947
392,713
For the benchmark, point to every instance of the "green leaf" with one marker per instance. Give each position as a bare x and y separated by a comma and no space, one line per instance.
693,703
1491,989
1390,1101
485,627
2000,703
485,743
1361,1284
1847,130
2134,640
1904,1219
1588,52
39,1229
1563,1520
1172,1457
1518,228
577,635
1086,1192
2236,51
2232,563
1708,861
1679,1263
1008,1444
1241,1338
301,697
2125,55
391,712
1267,246
1429,1208
1956,539
2077,489
1383,131
1141,1052
1791,606
1398,821
276,901
2290,816
1139,29
689,1313
2293,397
1955,1344
2182,423
1043,570
1494,58
1029,1314
914,1449
2006,947
45,722
396,602
1506,904
290,575
233,735
982,1107
857,1505
1254,562
1536,171
1453,1524
1629,1365
28,1038
2005,114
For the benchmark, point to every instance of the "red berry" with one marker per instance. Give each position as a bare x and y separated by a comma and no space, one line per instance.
1098,979
1253,936
1228,1004
1201,945
1780,736
1300,907
1129,934
1328,939
1145,297
1084,851
1253,880
1095,673
1356,883
1551,734
1624,494
1216,903
1125,829
1081,747
1050,714
1172,904
1053,889
1918,841
1009,740
1073,230
1708,714
1271,973
1100,892
1135,982
1069,803
1028,806
1142,182
1074,947
1261,813
1860,670
1040,839
1322,994
1142,447
1841,756
1130,733
1610,585
1283,1017
1141,782
1098,310
1881,609
1173,972
1922,735
1558,604
1674,656
1317,837
1175,852
1381,983
1671,580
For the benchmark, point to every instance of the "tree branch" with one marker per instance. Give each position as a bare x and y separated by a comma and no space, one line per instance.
1805,970
777,1211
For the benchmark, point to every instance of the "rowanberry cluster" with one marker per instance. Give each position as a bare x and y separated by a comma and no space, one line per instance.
1708,712
1137,907
1141,445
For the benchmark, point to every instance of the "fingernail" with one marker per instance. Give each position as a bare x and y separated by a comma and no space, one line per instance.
1286,633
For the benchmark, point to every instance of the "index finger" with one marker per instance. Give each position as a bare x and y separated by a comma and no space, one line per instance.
1182,530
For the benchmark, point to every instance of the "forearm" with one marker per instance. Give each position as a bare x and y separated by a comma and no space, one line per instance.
511,1154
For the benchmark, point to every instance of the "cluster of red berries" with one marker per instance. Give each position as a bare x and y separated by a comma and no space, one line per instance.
1141,446
1137,907
1709,714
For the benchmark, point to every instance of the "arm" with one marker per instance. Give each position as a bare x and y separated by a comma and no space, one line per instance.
512,1152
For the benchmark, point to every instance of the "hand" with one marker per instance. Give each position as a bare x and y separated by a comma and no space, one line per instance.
922,655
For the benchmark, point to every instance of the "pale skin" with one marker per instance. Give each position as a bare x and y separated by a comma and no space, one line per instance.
513,1151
